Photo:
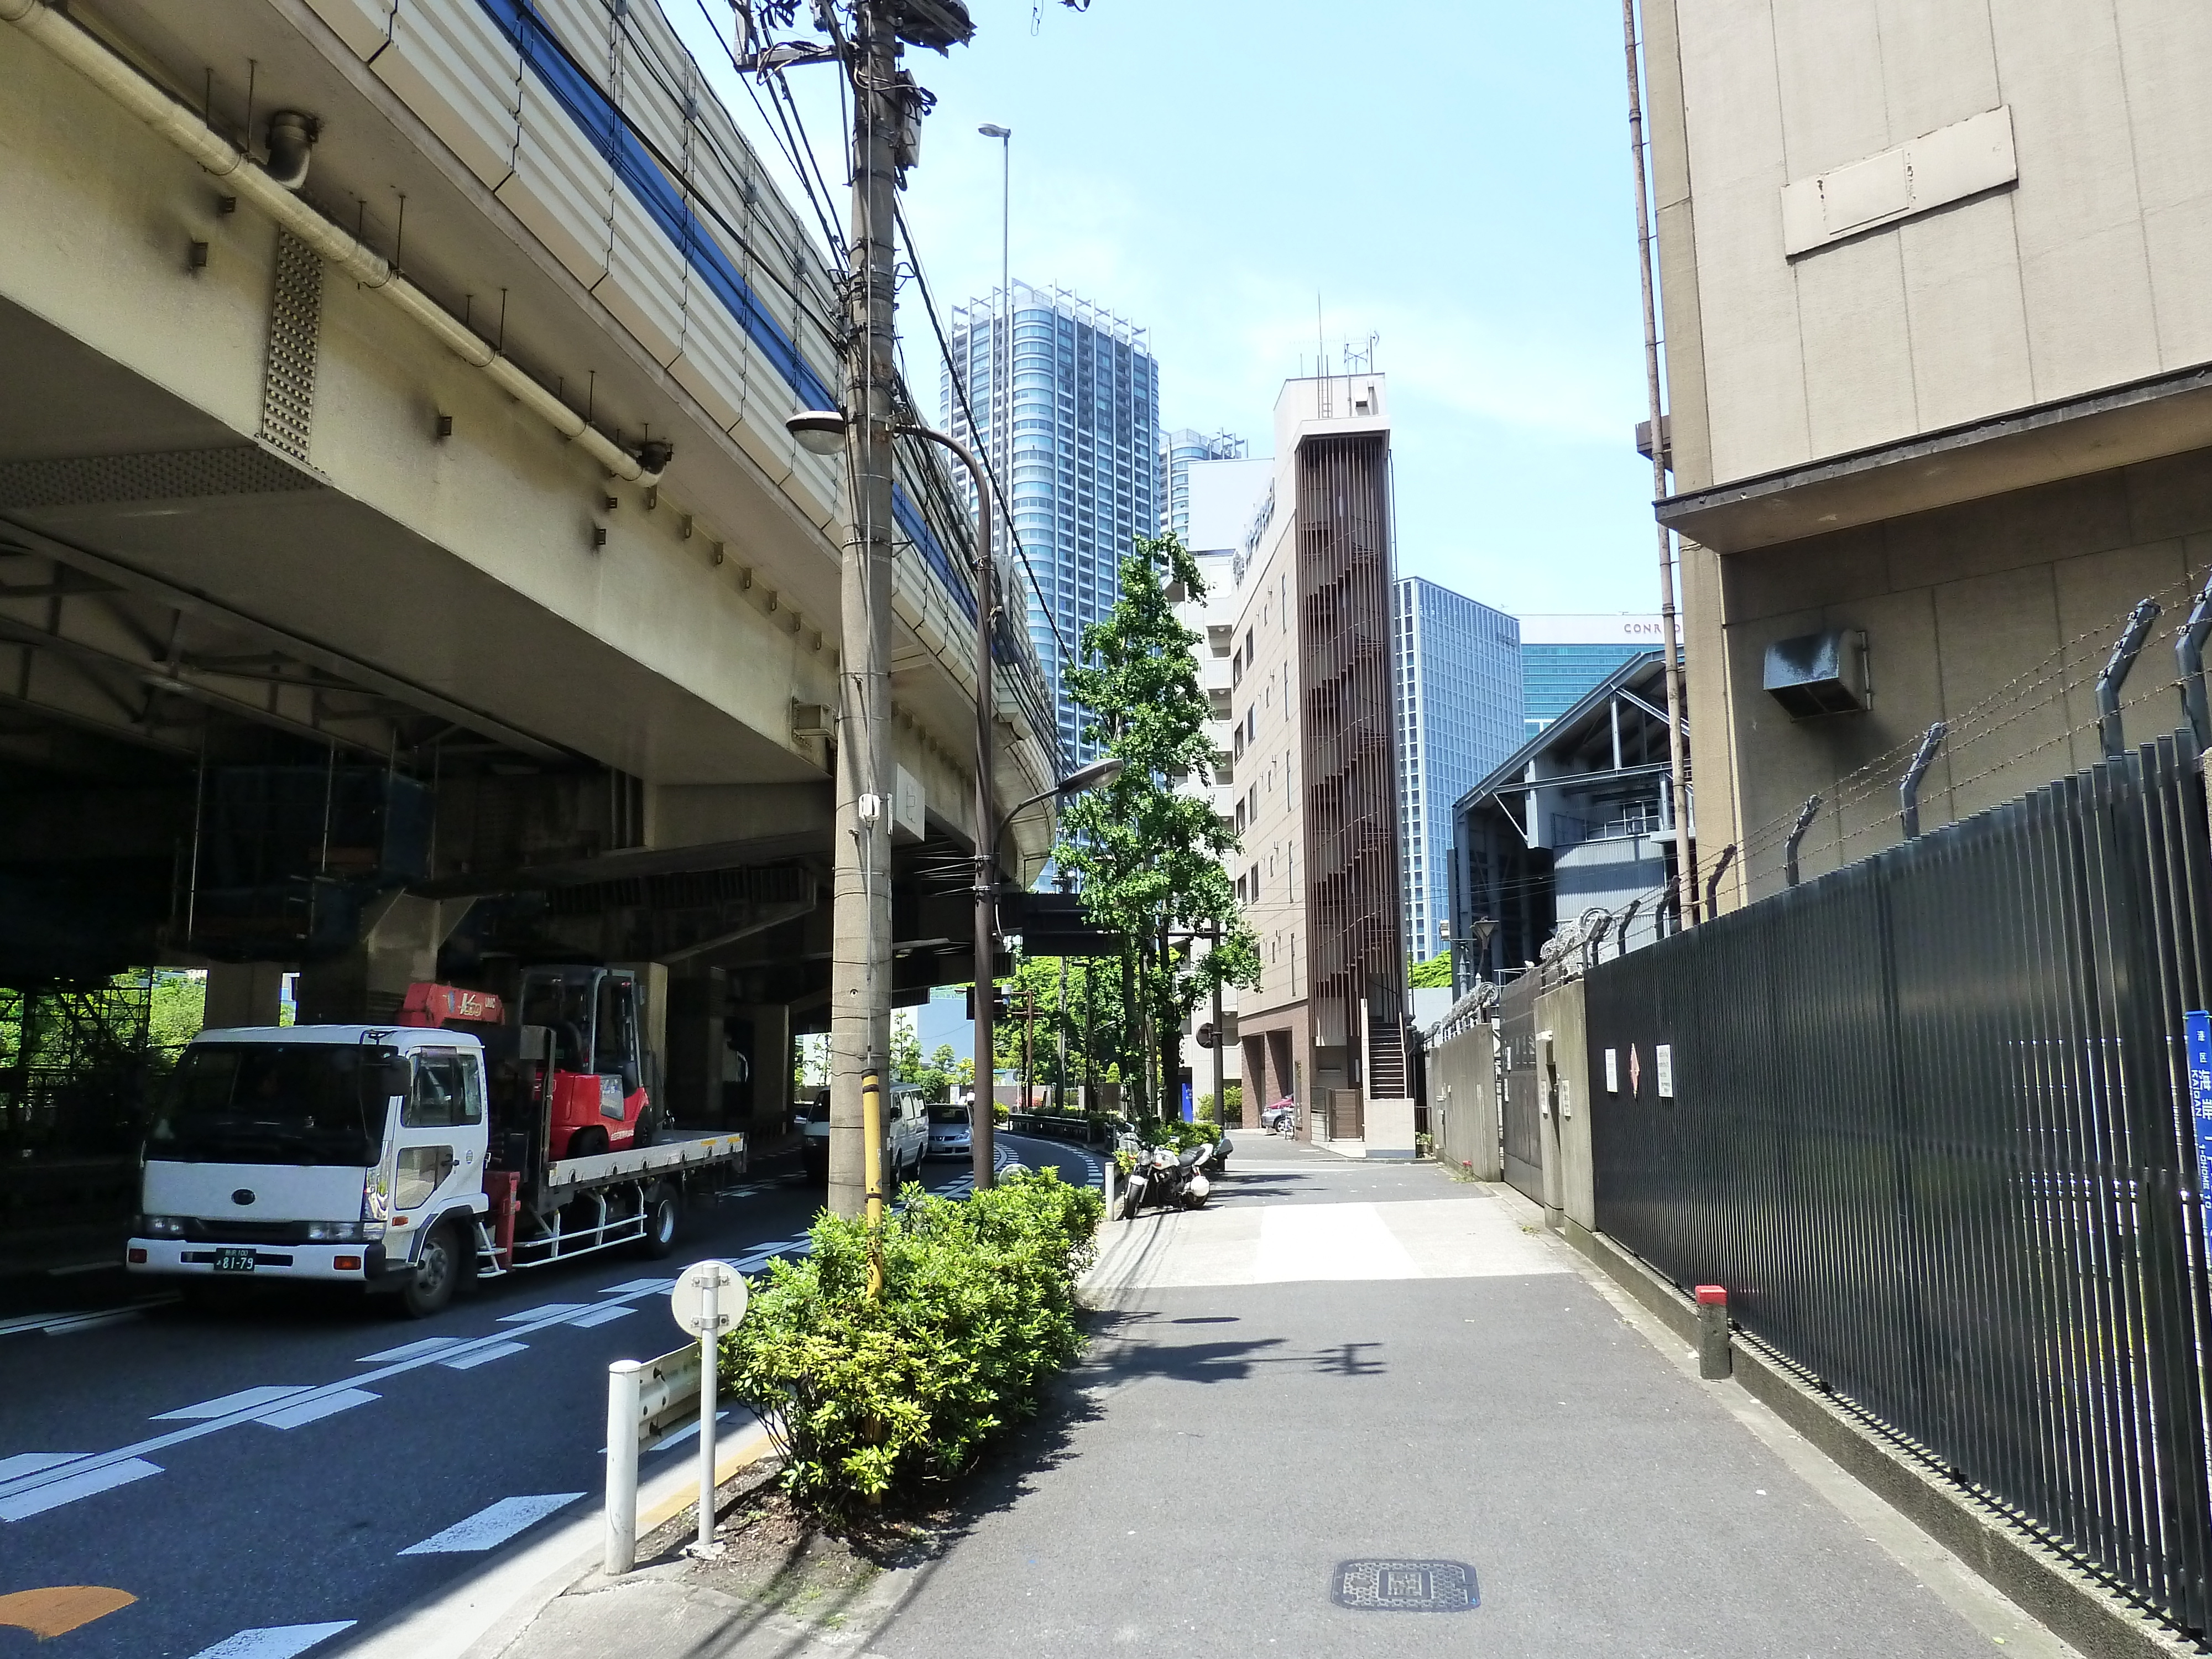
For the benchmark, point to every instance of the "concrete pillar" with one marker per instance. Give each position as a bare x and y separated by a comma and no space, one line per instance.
398,946
244,993
697,1003
770,1061
651,1022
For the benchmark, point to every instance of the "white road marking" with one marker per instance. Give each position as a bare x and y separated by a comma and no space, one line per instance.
316,1407
605,1312
429,1345
470,1359
490,1526
638,1286
551,1311
29,1481
53,1494
62,1324
273,1641
27,1462
233,1402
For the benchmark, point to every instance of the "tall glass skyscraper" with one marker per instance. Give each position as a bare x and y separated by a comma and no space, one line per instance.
1459,715
1178,450
1067,404
1563,656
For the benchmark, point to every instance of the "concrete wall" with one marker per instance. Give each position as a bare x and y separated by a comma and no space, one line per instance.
1570,1178
1994,616
1462,1090
2084,273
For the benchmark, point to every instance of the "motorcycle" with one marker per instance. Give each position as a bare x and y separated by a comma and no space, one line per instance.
1167,1181
1281,1118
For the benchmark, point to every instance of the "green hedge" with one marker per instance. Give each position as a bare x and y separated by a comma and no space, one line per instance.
866,1398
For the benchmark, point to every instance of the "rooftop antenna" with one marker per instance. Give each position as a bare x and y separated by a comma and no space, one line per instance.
1320,359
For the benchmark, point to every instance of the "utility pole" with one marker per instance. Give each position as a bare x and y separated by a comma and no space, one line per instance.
1220,1086
1029,1046
860,921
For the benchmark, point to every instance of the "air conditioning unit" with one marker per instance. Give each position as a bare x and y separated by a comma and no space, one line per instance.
1816,674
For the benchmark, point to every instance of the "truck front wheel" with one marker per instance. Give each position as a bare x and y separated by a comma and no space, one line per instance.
662,1211
438,1270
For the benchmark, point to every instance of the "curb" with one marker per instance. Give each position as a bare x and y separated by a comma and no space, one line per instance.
2061,1596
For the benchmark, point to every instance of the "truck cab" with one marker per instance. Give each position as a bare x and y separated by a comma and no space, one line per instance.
348,1154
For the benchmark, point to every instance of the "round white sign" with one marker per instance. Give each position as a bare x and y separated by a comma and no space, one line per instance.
687,1301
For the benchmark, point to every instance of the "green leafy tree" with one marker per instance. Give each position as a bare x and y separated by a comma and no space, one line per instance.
1429,975
1076,1035
1149,859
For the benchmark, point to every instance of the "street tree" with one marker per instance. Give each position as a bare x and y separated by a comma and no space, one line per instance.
1148,859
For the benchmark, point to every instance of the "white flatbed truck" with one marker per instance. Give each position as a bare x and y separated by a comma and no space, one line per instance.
402,1159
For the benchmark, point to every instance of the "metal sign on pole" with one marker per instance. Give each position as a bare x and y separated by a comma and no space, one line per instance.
709,1299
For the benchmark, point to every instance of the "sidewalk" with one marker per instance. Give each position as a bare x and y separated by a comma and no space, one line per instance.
1346,1361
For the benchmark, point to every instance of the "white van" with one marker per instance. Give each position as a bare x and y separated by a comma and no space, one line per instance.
906,1135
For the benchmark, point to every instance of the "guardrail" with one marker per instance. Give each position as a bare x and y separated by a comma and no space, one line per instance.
645,1399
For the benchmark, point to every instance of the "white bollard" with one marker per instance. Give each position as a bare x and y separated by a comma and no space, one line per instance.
622,1466
1112,1171
709,1355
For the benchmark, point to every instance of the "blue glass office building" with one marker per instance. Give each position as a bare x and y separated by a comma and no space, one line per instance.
1458,715
1067,408
1563,656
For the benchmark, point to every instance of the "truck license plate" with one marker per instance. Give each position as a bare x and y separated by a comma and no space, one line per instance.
234,1262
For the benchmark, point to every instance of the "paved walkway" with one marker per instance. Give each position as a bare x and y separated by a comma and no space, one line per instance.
1341,1362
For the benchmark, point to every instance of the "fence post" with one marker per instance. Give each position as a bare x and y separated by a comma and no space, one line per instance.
622,1466
1714,1362
1908,792
1805,814
2125,649
2189,656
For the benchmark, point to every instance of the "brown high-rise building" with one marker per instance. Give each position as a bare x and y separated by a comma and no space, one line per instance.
1313,754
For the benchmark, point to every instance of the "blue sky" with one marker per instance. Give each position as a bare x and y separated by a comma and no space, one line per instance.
1453,177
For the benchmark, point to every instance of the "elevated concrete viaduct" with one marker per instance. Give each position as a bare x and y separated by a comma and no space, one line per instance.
410,572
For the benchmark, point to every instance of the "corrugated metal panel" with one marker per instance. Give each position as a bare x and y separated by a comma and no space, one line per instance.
586,29
653,83
714,363
645,281
363,25
561,187
453,66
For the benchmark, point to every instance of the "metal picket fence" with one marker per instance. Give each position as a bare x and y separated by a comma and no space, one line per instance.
1929,1123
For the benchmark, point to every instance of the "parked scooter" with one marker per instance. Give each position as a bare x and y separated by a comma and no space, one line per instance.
1165,1181
1281,1118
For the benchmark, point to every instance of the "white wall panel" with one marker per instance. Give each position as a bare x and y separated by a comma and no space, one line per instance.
713,366
560,187
363,25
645,280
585,28
452,66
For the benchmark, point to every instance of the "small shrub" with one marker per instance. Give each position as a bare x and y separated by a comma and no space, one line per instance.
867,1397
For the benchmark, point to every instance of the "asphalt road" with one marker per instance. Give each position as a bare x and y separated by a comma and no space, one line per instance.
274,1479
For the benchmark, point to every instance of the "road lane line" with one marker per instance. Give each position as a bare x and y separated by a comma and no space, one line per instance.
30,1462
604,1312
53,1494
479,1356
551,1311
638,1286
313,1411
267,1395
273,1641
429,1345
493,1525
31,1481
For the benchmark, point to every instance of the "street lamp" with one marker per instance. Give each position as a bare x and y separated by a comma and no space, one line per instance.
821,432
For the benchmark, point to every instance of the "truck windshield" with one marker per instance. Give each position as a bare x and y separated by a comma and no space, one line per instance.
271,1102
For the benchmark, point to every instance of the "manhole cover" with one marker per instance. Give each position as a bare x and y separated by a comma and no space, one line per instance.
1405,1587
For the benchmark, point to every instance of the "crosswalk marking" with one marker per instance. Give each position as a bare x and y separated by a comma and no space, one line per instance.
273,1641
240,1401
638,1286
493,1525
472,1358
55,1493
314,1410
412,1350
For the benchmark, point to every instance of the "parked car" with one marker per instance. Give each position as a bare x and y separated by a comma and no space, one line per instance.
951,1131
906,1135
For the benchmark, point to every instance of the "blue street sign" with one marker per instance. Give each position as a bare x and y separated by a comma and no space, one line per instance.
2198,1027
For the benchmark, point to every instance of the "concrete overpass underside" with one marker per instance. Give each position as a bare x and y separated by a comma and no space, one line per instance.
323,651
